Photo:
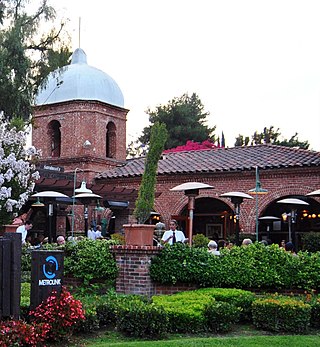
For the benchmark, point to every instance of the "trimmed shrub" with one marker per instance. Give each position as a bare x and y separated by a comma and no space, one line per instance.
220,316
255,266
281,314
107,311
240,298
139,319
311,241
184,310
200,241
90,259
315,313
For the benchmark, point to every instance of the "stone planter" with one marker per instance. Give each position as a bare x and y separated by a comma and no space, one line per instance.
138,234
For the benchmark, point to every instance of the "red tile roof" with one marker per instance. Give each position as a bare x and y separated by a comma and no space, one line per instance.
220,159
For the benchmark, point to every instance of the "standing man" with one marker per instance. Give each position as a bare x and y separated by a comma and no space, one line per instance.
173,235
23,230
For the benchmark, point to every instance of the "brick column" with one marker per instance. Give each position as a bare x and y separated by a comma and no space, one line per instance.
133,263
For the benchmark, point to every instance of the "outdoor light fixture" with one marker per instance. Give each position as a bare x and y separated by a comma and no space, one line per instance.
191,190
237,199
268,220
49,196
258,190
38,203
291,203
82,190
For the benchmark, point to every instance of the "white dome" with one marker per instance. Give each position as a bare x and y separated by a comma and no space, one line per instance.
79,81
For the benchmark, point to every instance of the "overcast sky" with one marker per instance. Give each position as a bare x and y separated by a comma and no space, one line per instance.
252,63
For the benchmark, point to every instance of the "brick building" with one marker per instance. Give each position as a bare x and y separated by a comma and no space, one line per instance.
80,126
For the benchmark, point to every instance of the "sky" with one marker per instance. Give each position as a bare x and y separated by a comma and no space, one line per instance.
252,63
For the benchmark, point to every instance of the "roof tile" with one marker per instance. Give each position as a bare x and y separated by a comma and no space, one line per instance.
220,159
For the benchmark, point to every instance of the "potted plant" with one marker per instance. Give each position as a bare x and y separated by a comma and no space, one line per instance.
142,234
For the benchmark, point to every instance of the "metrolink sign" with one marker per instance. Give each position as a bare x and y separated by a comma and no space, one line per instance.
46,274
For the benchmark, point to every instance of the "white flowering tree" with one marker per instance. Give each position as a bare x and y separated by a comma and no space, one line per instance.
17,171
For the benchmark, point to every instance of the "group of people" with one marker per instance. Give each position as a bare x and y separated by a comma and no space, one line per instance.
38,241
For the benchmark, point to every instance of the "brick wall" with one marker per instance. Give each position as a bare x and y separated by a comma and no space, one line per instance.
80,121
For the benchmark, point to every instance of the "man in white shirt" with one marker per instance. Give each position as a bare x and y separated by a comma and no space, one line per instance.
173,235
23,230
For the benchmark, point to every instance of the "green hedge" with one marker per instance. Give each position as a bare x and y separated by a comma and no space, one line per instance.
255,266
140,319
281,314
189,311
221,316
90,259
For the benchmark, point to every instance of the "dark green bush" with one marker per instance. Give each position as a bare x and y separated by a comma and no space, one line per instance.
140,319
220,316
184,310
90,259
281,314
107,311
311,241
255,266
200,241
315,313
242,299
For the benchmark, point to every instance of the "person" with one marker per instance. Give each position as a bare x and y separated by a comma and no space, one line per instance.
213,248
23,230
283,244
222,244
94,234
289,247
246,242
173,235
61,240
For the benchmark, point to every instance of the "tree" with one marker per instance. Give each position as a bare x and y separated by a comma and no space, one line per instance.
26,57
17,174
146,195
184,118
271,136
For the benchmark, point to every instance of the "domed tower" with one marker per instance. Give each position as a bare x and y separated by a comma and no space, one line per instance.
79,119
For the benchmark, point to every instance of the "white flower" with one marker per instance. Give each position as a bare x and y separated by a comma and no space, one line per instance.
17,174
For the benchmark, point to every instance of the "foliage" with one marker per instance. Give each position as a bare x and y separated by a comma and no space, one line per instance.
242,299
184,311
315,313
20,333
61,312
27,54
184,118
146,194
90,259
193,146
311,241
220,316
200,241
107,310
281,314
17,172
118,239
141,319
271,136
255,266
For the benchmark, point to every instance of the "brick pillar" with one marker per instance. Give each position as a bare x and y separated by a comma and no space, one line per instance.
133,263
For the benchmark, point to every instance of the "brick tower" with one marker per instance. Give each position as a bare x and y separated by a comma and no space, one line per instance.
79,119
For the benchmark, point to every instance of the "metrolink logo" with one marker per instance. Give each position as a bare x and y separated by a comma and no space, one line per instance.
49,268
55,282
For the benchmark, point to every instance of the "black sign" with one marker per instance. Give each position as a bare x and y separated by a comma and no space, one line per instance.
46,274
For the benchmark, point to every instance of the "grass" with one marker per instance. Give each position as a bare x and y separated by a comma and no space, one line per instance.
242,336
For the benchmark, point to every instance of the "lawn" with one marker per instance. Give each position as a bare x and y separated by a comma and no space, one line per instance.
243,336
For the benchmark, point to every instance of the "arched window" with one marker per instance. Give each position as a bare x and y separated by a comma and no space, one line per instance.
111,140
55,138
